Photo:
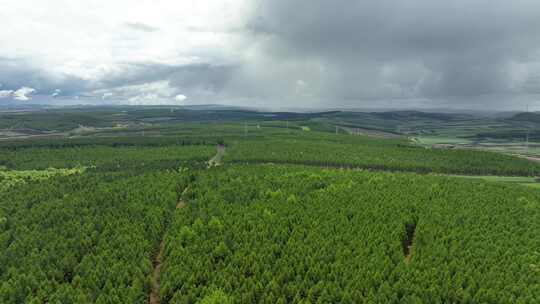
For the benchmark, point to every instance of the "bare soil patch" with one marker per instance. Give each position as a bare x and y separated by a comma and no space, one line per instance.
216,160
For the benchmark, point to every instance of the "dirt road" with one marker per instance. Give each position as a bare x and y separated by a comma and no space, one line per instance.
216,160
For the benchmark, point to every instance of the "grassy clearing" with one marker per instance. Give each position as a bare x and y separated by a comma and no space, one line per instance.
526,181
12,178
433,140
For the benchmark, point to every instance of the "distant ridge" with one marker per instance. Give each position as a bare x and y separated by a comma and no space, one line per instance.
527,116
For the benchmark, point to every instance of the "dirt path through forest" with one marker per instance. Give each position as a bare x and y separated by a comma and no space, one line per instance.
531,158
216,160
407,242
154,289
153,298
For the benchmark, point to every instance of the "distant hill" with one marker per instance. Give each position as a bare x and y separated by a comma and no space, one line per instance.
20,107
527,116
419,115
213,107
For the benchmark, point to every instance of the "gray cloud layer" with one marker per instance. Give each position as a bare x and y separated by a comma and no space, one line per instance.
408,49
466,53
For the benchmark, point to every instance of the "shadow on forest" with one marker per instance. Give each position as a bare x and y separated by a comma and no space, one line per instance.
408,239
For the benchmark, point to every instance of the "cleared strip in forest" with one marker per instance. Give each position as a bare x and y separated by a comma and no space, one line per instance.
153,298
376,168
407,242
154,289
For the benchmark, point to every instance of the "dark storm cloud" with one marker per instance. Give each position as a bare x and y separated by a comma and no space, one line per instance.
532,84
206,77
403,49
189,77
136,73
17,73
153,82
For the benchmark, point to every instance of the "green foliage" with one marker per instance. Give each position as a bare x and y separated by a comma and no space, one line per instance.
284,234
216,297
115,142
105,158
377,154
9,179
83,238
258,233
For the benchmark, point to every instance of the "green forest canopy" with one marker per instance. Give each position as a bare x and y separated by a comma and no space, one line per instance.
83,222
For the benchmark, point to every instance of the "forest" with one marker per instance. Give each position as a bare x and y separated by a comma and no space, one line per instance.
83,238
290,215
86,234
304,235
269,152
377,154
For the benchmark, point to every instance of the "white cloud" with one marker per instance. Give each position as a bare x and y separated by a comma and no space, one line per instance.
23,94
139,26
102,39
98,49
151,93
106,95
144,99
180,97
56,93
5,93
154,99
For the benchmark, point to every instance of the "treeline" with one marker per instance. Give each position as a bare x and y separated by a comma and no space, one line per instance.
116,141
86,238
284,234
378,154
104,158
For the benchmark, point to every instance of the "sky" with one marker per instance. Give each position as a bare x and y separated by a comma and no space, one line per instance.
468,54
